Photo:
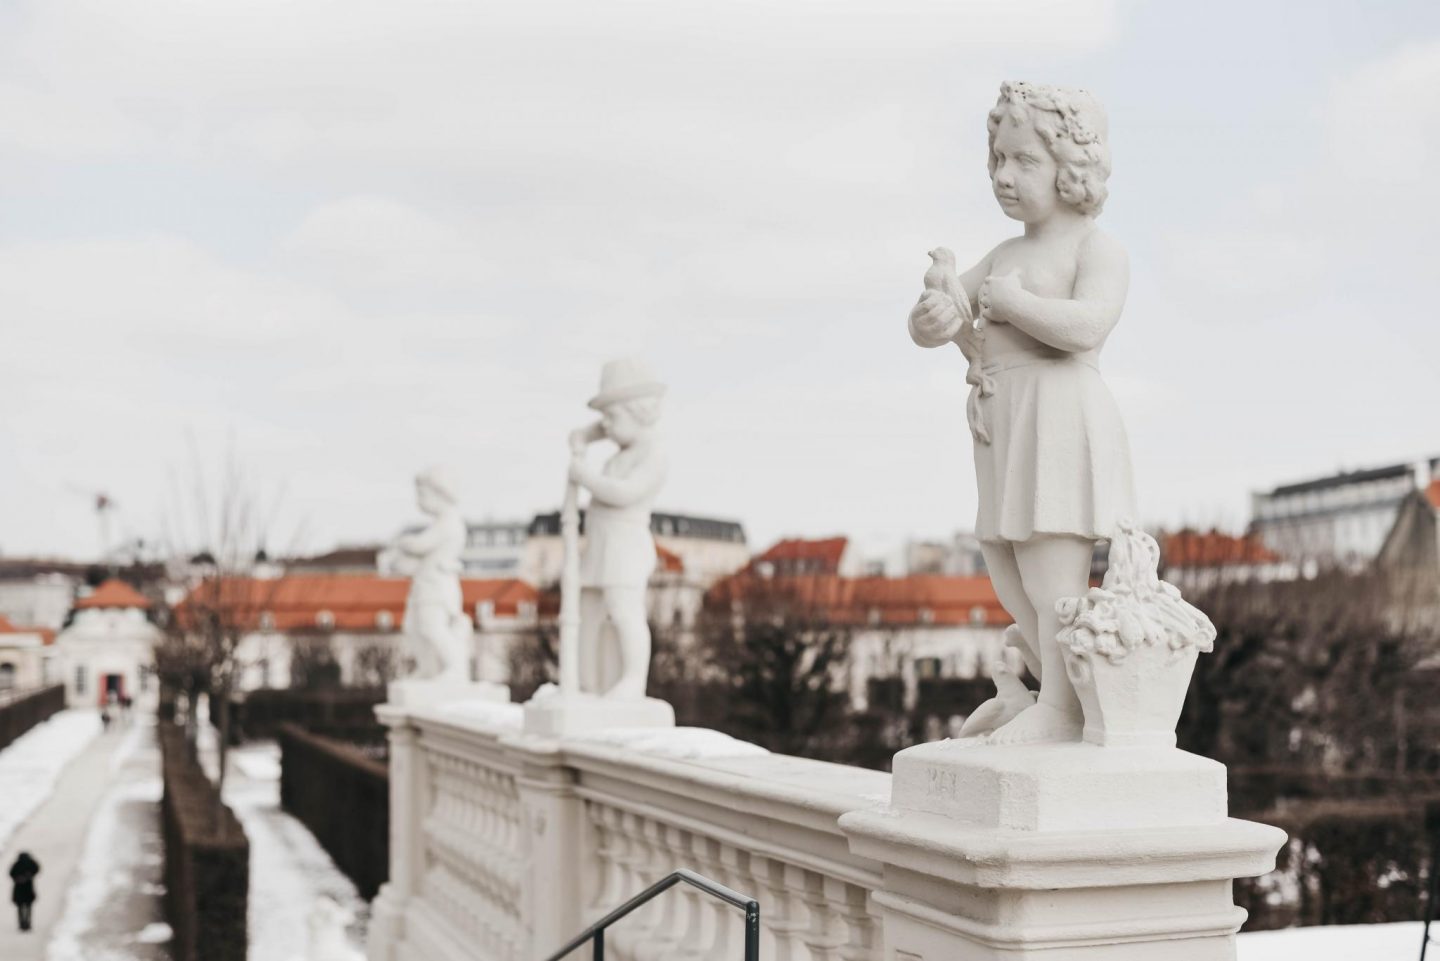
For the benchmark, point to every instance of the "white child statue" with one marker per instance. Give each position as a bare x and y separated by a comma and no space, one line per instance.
436,626
619,554
1052,461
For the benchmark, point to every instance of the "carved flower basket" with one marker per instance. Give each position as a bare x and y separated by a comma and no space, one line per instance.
1130,647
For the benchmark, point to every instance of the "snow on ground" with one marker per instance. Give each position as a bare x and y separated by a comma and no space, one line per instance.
112,906
289,871
1340,942
32,763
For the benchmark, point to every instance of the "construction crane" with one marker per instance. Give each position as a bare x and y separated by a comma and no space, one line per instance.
104,506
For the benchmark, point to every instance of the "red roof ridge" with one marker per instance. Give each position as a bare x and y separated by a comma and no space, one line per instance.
114,593
1214,548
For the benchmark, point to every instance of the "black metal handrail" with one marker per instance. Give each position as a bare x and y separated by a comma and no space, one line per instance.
596,931
1432,892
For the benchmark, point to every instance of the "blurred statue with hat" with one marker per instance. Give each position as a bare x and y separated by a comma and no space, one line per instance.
619,556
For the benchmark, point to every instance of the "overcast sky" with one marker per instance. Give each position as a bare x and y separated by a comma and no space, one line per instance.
348,239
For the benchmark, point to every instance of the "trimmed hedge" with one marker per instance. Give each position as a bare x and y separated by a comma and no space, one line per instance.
28,710
343,797
1352,861
207,859
347,712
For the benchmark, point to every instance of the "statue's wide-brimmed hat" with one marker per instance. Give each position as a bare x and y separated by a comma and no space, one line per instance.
625,379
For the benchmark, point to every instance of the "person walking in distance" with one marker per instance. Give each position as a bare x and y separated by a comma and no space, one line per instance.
22,877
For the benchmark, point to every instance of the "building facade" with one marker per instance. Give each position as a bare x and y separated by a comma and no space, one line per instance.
708,549
1342,519
348,627
107,652
27,657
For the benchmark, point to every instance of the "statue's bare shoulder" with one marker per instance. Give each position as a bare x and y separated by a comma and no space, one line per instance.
1102,251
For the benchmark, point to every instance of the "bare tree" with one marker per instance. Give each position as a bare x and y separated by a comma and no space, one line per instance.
378,663
217,534
776,645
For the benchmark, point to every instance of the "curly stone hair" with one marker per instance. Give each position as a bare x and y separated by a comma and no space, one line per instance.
1073,126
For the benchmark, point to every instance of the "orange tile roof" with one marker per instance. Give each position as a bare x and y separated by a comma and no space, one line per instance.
883,601
1187,548
114,593
1432,493
795,555
47,636
355,602
669,560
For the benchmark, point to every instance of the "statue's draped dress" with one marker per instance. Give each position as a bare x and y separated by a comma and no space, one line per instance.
1058,459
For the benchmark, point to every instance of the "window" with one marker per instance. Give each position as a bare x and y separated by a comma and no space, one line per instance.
80,679
927,668
7,676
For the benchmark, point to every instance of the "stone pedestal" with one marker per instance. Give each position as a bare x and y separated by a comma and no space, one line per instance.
1066,852
416,693
575,715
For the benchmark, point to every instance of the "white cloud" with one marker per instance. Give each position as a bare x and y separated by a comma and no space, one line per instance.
371,236
370,242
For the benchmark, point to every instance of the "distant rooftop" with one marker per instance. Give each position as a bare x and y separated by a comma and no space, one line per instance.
114,593
1344,478
661,524
338,559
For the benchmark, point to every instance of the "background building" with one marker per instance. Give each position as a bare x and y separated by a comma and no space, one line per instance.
347,629
1343,518
27,657
708,548
38,592
108,649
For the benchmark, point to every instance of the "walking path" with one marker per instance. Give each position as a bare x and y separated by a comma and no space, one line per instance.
54,832
113,907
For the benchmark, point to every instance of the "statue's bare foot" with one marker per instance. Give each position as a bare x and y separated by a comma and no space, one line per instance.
1041,724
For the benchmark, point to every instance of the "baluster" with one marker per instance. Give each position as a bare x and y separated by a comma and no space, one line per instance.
825,900
634,857
782,915
609,884
691,932
863,943
672,907
722,937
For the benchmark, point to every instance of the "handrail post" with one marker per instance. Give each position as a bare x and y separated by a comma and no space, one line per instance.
600,945
752,931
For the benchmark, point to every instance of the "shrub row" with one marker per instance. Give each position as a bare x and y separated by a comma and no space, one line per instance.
1351,861
207,859
27,710
343,797
345,711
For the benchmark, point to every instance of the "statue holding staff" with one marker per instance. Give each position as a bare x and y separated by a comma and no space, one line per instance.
619,555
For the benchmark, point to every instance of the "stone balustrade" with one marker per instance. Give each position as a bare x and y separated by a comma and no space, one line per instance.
504,845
